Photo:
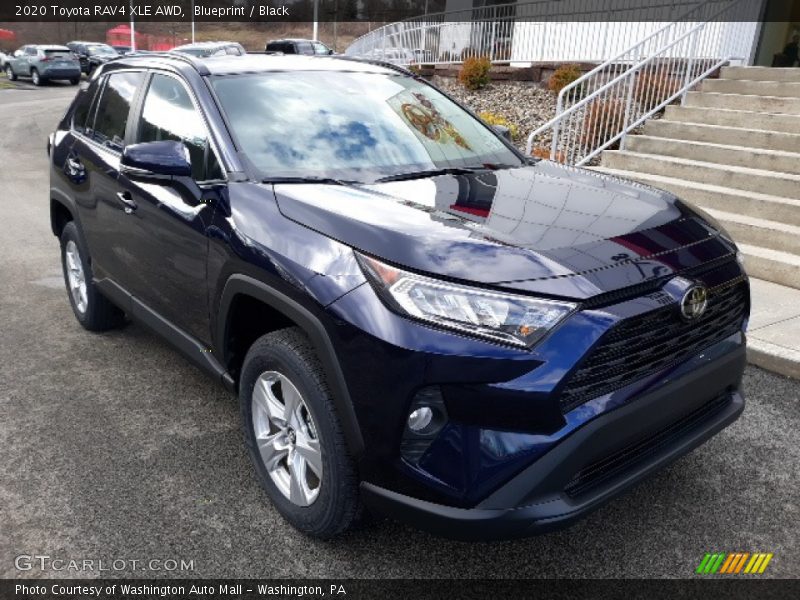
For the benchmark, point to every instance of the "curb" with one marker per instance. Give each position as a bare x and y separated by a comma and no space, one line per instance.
772,357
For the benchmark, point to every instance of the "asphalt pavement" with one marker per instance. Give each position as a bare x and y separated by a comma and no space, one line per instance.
115,448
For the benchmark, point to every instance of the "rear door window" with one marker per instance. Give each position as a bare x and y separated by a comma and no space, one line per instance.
113,109
304,48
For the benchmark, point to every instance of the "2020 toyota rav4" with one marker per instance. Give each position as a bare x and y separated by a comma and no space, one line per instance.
417,319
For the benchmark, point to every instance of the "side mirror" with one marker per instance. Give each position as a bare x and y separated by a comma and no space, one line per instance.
503,131
156,160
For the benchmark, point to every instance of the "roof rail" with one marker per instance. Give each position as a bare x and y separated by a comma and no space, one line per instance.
198,66
372,61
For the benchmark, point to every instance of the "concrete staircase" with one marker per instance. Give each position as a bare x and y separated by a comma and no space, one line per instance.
733,149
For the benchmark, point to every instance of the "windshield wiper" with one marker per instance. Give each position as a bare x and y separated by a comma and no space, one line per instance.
428,173
301,179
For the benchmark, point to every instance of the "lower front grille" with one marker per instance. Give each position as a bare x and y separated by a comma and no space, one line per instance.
614,464
647,343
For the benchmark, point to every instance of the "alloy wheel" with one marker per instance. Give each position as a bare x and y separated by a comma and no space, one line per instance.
76,276
286,437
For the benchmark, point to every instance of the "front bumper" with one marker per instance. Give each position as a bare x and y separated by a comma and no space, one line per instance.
597,462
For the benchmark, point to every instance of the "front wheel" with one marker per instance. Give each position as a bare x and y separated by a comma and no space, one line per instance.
74,81
93,310
35,77
294,437
10,73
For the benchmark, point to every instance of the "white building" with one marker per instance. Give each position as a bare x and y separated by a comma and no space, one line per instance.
532,31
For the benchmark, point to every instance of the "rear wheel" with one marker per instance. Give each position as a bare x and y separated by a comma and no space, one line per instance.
93,310
10,73
74,81
35,77
294,437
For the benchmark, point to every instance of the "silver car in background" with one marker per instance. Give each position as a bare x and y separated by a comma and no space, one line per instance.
43,63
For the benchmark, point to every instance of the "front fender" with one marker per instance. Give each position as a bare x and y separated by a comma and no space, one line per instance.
311,324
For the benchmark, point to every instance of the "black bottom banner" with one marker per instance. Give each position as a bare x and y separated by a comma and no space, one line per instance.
404,589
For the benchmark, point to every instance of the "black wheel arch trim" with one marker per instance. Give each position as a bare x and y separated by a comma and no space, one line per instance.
312,326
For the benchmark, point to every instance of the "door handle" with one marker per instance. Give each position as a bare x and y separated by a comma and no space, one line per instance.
128,205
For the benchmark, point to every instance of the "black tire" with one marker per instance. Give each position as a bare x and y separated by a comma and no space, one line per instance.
100,314
337,505
10,73
37,79
75,81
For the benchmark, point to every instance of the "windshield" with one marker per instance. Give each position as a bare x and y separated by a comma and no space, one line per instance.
102,51
353,126
320,48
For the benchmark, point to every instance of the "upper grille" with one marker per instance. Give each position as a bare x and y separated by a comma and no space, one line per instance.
644,344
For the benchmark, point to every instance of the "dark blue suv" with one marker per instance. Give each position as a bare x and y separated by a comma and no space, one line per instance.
417,319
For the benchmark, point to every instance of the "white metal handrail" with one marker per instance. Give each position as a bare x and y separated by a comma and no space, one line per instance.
599,109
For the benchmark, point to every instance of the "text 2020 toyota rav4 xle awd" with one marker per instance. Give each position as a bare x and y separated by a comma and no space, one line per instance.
416,318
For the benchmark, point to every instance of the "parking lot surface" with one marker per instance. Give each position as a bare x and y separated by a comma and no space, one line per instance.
115,447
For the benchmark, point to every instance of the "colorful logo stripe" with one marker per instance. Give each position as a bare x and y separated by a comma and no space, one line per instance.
734,563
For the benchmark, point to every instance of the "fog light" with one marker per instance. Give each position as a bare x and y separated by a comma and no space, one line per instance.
427,416
420,418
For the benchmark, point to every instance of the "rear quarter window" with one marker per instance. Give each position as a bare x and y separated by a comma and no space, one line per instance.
83,108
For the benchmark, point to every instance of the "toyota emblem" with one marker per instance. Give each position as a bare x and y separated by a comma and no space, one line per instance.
694,302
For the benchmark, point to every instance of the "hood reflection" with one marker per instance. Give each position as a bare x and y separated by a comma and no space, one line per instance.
511,225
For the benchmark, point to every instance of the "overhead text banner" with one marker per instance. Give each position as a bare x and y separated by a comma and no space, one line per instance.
376,12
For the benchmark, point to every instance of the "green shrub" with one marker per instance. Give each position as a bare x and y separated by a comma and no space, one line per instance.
562,77
491,118
474,73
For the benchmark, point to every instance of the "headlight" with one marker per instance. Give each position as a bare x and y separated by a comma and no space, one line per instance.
507,318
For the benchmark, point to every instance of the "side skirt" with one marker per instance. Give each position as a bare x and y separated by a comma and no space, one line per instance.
197,352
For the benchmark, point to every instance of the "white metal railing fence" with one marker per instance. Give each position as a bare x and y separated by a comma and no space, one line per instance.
525,31
599,109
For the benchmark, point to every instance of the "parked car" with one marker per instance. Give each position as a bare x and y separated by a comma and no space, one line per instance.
122,49
3,59
399,56
44,63
421,55
92,54
417,318
298,46
206,49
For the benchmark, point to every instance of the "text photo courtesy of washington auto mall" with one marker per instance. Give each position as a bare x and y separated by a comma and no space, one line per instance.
399,299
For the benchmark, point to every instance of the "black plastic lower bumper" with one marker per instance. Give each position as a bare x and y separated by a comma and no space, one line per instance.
594,464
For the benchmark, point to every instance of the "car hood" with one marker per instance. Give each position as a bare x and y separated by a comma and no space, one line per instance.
543,228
